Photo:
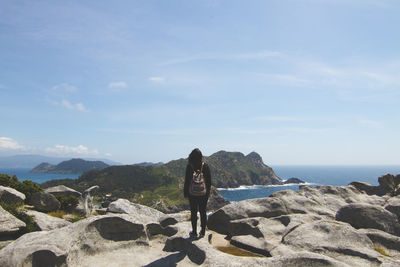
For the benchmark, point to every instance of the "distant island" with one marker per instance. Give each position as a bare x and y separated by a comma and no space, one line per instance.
73,166
29,161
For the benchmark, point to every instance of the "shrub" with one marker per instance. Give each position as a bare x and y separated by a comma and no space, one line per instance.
68,202
27,187
6,180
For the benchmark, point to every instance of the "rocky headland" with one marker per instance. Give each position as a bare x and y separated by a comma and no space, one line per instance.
354,225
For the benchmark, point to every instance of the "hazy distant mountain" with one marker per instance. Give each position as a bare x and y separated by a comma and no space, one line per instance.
73,166
147,164
30,161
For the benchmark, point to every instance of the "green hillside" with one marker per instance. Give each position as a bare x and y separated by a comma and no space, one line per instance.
147,184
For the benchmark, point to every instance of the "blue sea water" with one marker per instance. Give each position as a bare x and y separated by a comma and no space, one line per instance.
313,175
24,174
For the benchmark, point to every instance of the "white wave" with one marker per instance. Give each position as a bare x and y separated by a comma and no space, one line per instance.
245,187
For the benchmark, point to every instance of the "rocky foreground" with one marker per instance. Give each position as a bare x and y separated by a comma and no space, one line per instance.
354,225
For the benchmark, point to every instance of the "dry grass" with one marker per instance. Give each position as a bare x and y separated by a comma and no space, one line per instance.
381,250
74,217
58,214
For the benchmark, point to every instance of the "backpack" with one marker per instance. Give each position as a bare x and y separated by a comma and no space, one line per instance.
197,185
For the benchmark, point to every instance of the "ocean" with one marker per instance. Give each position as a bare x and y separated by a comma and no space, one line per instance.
24,174
312,175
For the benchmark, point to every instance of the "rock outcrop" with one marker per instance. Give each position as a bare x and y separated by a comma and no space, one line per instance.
62,190
216,200
9,195
314,226
45,222
45,202
9,225
294,180
139,212
356,224
87,200
361,215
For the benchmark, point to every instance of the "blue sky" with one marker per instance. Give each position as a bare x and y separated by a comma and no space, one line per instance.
298,81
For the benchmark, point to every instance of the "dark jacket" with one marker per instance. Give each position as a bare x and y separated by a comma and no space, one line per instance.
189,176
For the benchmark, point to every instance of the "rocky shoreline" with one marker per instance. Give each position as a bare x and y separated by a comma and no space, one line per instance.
354,225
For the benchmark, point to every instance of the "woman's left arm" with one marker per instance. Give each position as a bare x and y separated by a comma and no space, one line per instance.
207,174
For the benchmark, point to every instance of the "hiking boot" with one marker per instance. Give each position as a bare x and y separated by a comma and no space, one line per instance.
202,232
193,234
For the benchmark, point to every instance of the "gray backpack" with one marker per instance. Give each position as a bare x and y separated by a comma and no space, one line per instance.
198,186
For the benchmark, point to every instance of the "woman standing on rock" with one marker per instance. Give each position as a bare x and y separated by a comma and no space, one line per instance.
197,189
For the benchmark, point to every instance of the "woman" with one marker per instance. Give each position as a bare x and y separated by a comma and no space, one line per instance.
197,189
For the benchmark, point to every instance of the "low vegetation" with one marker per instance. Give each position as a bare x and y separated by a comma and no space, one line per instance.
153,184
27,187
381,250
71,217
16,209
68,202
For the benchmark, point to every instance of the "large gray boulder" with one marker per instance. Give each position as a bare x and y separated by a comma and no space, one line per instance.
389,183
334,239
139,212
45,202
259,207
369,216
9,225
69,245
45,222
367,188
11,196
216,200
62,190
393,205
324,200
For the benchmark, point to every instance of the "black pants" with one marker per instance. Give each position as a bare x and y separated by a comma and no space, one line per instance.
198,204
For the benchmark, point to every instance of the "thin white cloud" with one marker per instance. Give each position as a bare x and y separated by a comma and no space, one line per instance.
64,150
67,104
58,96
281,130
7,143
257,55
352,81
288,79
370,123
376,3
117,85
280,118
64,88
157,79
71,106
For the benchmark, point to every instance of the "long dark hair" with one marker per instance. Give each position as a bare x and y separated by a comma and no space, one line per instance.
195,158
